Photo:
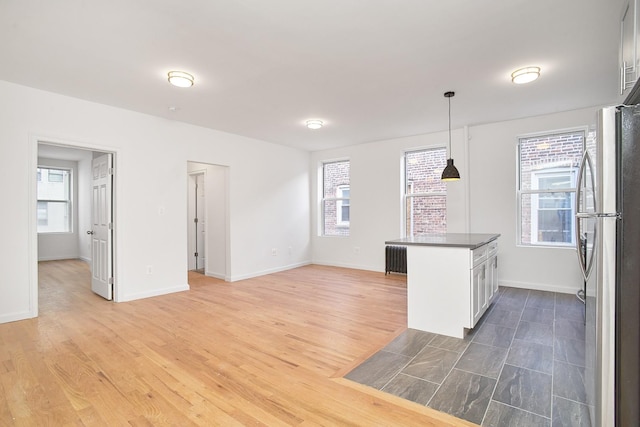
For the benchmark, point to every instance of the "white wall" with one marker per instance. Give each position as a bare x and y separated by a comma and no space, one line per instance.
376,198
268,187
54,246
483,201
493,153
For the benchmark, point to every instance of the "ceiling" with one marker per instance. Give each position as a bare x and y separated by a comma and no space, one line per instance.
370,69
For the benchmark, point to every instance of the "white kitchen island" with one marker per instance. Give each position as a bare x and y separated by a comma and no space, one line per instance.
452,279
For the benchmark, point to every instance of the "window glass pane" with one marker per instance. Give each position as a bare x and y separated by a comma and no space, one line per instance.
43,215
54,185
335,174
53,217
547,152
547,218
426,214
424,170
331,225
54,200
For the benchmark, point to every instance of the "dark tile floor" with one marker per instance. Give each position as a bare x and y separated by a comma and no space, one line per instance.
522,365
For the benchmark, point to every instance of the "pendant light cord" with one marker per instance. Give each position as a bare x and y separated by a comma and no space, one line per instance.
450,156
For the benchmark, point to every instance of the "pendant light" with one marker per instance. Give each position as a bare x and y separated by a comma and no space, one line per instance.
450,173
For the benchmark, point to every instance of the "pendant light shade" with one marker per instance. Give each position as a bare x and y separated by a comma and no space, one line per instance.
450,172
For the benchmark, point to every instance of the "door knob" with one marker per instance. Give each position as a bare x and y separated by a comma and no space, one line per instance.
90,232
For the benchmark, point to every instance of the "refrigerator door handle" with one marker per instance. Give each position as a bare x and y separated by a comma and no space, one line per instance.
584,259
616,215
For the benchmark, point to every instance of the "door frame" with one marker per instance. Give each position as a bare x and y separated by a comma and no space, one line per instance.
34,140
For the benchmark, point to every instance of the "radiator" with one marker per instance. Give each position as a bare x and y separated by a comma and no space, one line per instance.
395,259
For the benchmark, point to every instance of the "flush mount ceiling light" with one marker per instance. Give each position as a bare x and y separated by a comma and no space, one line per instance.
525,75
180,78
314,124
450,172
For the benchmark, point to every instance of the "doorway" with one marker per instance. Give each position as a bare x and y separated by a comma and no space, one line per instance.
208,219
197,218
72,165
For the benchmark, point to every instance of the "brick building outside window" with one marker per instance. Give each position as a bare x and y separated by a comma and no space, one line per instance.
425,193
548,167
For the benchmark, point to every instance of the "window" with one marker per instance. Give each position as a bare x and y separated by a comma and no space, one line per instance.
425,193
336,203
54,200
548,168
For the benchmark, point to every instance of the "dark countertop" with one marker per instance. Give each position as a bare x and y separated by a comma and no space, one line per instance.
458,240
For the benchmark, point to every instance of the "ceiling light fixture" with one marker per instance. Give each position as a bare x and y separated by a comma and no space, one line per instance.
180,78
525,75
450,173
314,124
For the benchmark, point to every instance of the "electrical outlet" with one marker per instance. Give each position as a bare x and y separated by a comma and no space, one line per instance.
274,252
356,249
149,269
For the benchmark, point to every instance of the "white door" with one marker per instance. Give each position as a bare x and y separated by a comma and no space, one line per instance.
199,222
102,226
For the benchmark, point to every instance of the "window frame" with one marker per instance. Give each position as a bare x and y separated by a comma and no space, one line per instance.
407,184
68,201
553,168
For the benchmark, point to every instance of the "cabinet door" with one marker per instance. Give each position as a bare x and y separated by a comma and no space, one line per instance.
488,285
478,293
628,47
492,277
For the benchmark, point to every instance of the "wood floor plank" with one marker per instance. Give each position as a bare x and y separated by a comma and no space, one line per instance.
264,351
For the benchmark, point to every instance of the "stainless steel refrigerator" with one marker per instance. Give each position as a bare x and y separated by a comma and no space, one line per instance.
608,239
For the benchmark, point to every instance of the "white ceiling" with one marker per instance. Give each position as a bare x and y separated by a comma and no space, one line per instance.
371,69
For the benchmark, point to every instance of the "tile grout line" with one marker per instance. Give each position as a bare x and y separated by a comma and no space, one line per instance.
448,373
505,358
408,363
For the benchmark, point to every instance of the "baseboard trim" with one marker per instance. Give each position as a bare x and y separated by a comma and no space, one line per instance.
215,275
267,271
57,258
540,287
14,317
155,293
352,266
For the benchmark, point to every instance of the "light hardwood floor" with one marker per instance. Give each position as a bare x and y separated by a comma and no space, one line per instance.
265,351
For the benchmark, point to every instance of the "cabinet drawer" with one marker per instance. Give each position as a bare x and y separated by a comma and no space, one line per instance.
492,248
478,255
